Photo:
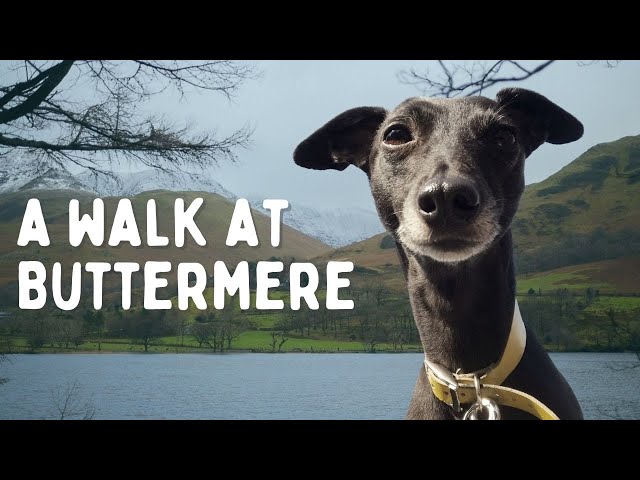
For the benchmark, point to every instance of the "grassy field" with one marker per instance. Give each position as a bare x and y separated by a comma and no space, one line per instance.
254,341
551,281
163,345
619,276
260,341
618,304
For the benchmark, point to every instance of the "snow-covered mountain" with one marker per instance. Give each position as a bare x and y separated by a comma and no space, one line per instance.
146,180
24,174
335,227
18,174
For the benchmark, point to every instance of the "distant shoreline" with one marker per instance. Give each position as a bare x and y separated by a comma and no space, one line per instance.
204,352
241,352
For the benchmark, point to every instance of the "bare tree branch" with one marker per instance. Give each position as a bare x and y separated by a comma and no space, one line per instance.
469,79
69,402
45,83
43,113
606,63
472,78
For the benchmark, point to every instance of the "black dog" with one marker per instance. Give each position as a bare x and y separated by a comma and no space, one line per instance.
446,177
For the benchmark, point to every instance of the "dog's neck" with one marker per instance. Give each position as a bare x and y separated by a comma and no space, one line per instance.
463,310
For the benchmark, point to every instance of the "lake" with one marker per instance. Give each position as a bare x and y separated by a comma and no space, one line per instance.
263,386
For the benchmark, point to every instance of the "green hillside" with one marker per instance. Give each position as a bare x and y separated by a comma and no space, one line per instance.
617,276
599,188
375,261
588,211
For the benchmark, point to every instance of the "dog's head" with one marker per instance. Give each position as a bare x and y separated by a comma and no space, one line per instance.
446,174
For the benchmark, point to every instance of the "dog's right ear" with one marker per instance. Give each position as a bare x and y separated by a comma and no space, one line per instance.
345,140
543,120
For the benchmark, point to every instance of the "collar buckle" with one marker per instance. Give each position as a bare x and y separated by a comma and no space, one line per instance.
449,379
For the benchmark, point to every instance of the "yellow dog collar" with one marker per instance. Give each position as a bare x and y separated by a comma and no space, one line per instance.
457,389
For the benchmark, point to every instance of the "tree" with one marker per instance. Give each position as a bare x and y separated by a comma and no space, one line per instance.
65,330
179,324
203,333
93,325
11,324
278,339
219,330
3,359
371,343
36,330
145,326
589,295
402,327
274,341
282,340
85,112
232,324
472,78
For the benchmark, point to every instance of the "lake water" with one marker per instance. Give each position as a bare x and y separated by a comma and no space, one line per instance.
262,386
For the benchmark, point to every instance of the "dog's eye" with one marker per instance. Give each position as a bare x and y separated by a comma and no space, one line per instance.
504,136
397,135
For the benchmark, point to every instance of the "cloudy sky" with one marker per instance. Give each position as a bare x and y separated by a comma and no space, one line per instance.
293,98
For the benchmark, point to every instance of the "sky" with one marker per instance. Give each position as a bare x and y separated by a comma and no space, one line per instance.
291,99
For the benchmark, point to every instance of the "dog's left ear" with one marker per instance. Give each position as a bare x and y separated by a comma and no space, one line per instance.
345,140
540,119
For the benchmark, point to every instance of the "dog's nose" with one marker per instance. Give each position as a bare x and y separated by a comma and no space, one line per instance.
450,199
